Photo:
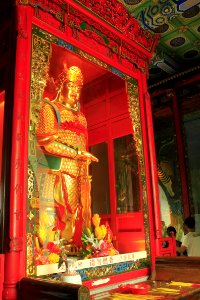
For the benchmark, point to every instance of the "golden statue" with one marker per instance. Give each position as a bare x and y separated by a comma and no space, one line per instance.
62,137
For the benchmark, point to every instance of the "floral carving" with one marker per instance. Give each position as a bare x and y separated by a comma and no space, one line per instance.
121,25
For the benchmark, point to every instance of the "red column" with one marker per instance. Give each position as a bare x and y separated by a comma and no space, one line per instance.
153,167
2,96
15,258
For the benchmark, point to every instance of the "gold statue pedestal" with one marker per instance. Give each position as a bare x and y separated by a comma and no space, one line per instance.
71,275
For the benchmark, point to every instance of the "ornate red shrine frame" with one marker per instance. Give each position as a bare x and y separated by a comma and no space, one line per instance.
102,30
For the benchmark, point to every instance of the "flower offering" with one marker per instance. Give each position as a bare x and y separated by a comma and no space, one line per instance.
97,241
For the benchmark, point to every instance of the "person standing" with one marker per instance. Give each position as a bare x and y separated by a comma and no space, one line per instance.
191,240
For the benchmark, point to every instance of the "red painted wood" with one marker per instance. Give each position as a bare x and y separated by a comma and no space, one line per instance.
166,246
153,166
185,82
130,227
14,270
1,273
153,222
92,51
2,95
117,121
117,279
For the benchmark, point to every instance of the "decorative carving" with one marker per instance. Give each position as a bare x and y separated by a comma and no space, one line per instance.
31,182
90,27
113,269
91,43
134,109
49,19
114,12
134,55
94,31
122,23
30,266
41,50
16,244
40,64
97,61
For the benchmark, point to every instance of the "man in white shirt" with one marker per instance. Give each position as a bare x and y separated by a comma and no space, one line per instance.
191,240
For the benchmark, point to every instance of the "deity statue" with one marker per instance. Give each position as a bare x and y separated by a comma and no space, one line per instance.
62,138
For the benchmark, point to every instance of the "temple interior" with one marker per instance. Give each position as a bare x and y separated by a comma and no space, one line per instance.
99,149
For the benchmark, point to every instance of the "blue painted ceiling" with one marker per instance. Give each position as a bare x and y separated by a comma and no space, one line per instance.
178,24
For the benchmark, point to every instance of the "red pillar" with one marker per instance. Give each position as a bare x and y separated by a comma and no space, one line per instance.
15,257
153,167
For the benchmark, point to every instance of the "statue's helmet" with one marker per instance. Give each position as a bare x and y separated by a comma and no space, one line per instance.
72,74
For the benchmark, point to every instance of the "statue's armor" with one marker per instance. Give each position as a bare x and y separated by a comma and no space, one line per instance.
61,132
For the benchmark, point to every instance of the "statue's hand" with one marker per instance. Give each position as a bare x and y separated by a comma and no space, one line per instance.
84,155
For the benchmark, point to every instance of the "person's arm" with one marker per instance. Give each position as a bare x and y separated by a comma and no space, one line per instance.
181,249
184,245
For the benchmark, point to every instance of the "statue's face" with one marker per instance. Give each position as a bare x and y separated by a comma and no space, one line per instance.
71,92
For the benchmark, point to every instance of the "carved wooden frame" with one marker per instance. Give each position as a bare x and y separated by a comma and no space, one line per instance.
120,43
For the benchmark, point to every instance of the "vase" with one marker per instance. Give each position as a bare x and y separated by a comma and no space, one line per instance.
71,275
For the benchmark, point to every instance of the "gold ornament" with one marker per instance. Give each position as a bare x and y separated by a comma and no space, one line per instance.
72,74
